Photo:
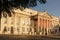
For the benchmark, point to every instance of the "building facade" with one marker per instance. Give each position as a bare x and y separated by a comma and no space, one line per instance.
55,22
42,23
18,23
28,22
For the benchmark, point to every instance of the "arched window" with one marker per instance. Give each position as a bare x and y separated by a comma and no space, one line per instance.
5,15
5,29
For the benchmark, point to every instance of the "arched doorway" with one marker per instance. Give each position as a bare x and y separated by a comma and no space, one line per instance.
12,30
5,29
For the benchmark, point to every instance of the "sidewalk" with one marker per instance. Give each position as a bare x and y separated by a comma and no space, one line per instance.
51,36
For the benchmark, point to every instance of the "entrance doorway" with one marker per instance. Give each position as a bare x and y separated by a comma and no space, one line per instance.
12,30
5,29
59,29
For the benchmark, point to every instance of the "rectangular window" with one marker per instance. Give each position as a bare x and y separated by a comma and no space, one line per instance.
23,29
27,22
34,29
27,29
34,24
12,20
30,29
18,29
5,21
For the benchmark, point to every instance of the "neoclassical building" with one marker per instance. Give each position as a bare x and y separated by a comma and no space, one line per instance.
42,22
55,22
28,22
18,23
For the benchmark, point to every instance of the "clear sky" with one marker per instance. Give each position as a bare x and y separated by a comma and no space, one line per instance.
52,6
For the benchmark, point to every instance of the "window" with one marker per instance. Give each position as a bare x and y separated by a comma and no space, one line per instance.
23,22
35,24
12,20
23,29
5,21
27,29
34,29
18,20
30,29
5,29
27,22
18,29
5,18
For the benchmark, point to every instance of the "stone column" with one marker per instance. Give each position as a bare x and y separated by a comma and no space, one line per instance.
44,26
38,25
47,26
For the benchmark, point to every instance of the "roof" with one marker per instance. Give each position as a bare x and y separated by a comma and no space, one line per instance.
21,12
30,11
26,11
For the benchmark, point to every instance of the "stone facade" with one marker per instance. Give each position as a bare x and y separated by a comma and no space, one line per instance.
43,23
18,23
28,22
55,22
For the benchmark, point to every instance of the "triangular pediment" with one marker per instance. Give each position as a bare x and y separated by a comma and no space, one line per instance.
46,14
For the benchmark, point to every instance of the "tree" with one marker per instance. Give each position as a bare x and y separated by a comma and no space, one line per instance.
8,5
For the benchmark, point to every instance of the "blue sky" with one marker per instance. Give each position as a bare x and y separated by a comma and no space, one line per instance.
52,6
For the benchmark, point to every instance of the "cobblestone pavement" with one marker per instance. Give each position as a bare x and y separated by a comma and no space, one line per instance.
26,37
